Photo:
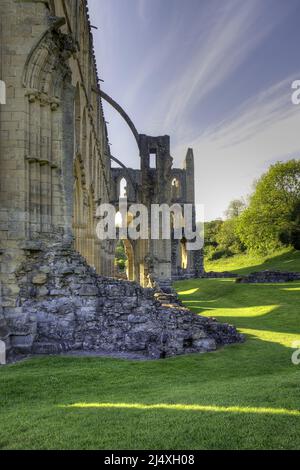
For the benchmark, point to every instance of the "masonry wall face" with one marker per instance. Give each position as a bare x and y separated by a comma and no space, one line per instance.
55,163
54,171
159,261
54,155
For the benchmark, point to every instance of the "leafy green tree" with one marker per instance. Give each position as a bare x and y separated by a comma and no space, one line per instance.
235,209
211,230
272,217
295,231
228,238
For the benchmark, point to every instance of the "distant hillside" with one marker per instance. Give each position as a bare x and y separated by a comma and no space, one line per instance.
283,260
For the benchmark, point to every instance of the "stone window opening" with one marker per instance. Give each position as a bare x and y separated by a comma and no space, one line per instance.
184,254
175,189
123,189
124,260
118,220
153,159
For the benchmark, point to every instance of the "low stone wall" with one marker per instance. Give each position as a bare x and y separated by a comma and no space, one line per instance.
205,275
268,277
219,275
185,275
65,306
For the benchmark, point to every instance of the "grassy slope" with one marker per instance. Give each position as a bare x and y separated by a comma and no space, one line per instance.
283,260
238,382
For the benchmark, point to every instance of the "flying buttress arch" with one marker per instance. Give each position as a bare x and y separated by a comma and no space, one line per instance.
124,115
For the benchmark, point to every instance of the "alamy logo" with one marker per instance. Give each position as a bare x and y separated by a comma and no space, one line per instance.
296,93
159,222
2,92
296,354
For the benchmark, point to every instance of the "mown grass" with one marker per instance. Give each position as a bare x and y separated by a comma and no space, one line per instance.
245,396
285,259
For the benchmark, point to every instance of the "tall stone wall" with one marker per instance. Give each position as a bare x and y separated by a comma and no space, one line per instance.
52,126
54,171
54,153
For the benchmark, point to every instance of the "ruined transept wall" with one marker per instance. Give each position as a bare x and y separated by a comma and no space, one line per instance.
158,182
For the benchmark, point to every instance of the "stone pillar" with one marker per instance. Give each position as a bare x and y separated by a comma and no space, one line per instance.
195,258
156,184
68,155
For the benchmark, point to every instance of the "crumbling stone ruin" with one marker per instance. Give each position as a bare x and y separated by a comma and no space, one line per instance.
158,261
57,286
263,277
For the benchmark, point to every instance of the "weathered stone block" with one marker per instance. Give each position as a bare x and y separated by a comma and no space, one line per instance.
40,279
87,290
205,344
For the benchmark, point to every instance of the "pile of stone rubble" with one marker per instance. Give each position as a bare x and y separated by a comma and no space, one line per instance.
65,306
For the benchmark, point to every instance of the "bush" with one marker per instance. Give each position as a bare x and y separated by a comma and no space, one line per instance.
220,253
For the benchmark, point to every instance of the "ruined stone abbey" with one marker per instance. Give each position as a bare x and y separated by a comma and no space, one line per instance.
58,286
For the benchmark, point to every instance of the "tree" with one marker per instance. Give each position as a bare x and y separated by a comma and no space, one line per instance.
272,217
235,209
228,238
211,230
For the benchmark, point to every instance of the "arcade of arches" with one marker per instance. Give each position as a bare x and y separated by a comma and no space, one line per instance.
62,168
57,286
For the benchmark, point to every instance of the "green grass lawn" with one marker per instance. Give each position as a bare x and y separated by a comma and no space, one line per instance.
245,396
286,259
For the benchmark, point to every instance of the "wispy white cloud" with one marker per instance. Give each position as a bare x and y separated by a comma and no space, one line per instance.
237,150
256,115
229,39
196,57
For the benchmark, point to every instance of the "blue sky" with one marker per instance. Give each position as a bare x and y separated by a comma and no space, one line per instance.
215,75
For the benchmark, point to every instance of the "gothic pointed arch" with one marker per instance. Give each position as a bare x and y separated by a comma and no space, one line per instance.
47,67
47,84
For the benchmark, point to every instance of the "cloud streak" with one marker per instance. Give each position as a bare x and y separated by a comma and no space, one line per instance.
232,153
229,39
169,64
256,115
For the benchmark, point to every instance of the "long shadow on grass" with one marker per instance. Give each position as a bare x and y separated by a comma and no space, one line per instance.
265,307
